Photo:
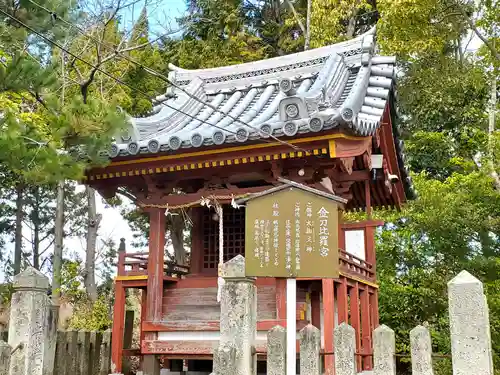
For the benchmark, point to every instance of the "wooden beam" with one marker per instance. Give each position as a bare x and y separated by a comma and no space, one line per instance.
183,199
281,299
202,325
343,308
366,341
374,306
118,326
155,263
316,309
197,250
356,320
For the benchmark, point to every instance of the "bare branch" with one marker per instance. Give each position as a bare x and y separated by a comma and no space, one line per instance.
296,16
485,40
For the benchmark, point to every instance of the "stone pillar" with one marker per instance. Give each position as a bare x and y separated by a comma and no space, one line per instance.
215,362
384,350
276,351
228,360
421,351
51,335
469,326
238,318
4,358
30,325
310,347
345,350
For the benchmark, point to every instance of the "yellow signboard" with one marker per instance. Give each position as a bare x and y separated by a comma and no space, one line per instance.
292,233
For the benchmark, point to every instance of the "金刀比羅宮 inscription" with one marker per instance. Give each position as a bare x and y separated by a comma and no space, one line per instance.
293,233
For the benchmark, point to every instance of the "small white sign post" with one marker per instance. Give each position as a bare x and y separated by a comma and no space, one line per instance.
291,327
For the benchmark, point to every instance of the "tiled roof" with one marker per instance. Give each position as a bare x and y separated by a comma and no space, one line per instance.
342,85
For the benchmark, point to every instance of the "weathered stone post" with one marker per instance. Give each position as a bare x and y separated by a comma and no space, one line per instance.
276,351
469,326
345,350
421,351
384,350
215,362
4,357
31,325
310,347
238,318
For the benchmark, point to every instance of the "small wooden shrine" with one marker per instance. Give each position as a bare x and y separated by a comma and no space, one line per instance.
323,118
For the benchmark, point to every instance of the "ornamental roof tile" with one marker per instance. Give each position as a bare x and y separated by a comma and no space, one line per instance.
343,85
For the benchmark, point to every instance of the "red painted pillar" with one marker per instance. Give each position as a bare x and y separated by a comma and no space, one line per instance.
316,309
329,323
281,299
356,321
118,326
343,308
142,337
374,308
155,264
370,248
366,342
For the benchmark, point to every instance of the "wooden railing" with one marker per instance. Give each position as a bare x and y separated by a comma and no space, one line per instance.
355,266
136,264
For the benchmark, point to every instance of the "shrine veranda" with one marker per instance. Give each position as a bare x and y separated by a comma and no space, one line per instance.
323,119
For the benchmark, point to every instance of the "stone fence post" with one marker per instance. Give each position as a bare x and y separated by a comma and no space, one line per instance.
384,351
238,318
469,326
310,347
4,357
32,325
421,351
345,350
276,351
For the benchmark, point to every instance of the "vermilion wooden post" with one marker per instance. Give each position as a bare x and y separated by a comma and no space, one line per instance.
155,264
343,308
370,246
329,323
355,320
366,342
315,309
144,298
118,326
154,301
374,307
281,299
196,264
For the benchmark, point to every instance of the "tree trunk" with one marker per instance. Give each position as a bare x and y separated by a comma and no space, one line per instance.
307,36
351,26
92,227
491,128
58,241
18,248
177,236
36,231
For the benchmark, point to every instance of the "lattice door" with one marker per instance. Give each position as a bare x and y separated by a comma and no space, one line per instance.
234,236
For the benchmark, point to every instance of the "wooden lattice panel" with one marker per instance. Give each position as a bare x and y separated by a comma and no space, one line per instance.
234,236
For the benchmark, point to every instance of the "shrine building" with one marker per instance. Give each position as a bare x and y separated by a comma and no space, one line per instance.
322,118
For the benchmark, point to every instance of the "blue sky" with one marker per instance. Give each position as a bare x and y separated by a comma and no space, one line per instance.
162,14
